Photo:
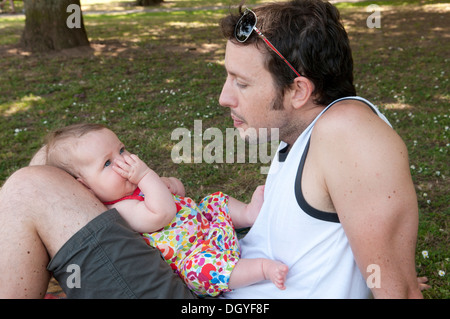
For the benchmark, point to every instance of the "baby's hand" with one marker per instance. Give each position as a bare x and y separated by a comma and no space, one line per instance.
174,185
133,168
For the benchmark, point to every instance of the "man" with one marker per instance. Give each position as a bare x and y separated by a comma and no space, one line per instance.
340,207
335,194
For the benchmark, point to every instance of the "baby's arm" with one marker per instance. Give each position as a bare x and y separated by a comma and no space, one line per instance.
175,186
158,208
244,215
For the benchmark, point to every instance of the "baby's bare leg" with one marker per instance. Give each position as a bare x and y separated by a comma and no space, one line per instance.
250,271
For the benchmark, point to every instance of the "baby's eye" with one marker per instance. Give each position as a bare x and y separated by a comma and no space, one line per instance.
107,163
122,150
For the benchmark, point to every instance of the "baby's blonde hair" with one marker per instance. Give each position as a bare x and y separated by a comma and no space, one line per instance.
61,143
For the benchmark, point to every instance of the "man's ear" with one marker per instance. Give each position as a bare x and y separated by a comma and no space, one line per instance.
301,90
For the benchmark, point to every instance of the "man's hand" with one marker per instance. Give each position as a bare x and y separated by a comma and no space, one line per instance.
133,168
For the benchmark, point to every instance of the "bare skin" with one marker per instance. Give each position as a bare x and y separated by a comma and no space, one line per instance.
48,232
32,231
260,269
364,178
357,166
246,271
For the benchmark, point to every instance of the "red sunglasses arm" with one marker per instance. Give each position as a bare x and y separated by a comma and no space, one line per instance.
275,50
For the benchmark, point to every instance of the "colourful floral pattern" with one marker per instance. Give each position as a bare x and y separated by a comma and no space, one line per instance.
200,243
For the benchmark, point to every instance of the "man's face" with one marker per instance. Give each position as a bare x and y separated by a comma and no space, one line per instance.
249,91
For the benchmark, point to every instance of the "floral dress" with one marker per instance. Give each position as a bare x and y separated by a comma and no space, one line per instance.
200,243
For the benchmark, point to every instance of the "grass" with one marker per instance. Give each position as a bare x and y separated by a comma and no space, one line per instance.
148,73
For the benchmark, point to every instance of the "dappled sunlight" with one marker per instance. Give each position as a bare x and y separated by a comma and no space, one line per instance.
22,105
413,20
442,98
397,106
437,7
111,48
210,47
188,25
14,51
106,5
122,5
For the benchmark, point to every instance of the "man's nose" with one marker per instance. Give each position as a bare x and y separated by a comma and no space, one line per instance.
227,98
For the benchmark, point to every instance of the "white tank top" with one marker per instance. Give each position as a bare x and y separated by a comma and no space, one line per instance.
311,242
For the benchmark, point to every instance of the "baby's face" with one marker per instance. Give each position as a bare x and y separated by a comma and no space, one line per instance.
96,154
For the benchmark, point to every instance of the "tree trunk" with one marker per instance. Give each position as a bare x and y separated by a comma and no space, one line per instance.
48,25
148,2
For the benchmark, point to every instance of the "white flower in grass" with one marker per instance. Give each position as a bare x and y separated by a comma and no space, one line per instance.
425,254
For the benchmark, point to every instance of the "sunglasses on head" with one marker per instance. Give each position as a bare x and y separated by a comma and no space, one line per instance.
244,28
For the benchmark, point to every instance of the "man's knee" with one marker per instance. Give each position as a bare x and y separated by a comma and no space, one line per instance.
27,189
30,175
49,201
46,189
27,183
43,180
14,186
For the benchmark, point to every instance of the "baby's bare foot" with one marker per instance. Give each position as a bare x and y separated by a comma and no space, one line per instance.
276,272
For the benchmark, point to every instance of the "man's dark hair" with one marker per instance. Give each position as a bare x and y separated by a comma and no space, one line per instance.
310,35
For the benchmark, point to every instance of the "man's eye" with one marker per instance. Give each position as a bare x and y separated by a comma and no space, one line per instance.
122,150
107,163
241,85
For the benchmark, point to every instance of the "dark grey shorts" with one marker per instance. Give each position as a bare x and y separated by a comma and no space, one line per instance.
107,259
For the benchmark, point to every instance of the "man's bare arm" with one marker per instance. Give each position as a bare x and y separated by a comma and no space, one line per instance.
366,172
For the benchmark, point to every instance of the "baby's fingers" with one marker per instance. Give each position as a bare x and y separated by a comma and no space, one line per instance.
122,168
128,159
120,171
132,159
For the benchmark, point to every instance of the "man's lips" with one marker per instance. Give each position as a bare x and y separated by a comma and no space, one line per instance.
237,120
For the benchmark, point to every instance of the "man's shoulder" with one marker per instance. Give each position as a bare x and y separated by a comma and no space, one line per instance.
348,116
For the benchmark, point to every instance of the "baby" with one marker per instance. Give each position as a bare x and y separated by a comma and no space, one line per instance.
197,241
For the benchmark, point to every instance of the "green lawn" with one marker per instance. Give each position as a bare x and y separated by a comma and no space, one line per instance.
149,73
